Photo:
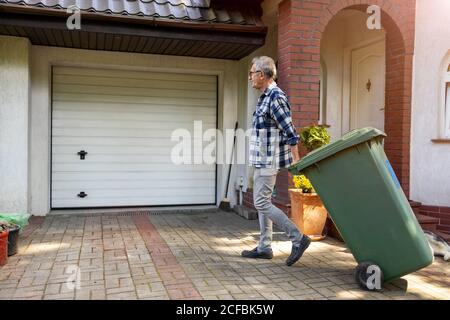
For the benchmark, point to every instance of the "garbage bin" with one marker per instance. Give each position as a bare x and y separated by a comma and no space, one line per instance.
363,196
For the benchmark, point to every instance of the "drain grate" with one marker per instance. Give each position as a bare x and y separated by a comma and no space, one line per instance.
138,213
125,213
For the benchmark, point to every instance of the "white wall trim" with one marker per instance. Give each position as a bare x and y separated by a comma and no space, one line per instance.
444,100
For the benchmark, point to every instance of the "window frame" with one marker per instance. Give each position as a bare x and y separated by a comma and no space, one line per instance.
443,116
447,108
446,100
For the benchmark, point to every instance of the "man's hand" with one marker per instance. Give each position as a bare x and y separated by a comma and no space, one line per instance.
295,156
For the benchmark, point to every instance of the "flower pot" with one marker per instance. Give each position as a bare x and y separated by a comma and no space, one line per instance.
3,247
308,213
13,240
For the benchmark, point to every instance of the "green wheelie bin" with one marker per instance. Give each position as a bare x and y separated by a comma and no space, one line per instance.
363,196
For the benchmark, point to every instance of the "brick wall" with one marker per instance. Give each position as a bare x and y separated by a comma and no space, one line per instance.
248,199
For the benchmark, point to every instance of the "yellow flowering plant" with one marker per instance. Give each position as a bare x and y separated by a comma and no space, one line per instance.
312,138
303,183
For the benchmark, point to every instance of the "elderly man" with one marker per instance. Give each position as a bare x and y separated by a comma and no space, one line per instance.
273,145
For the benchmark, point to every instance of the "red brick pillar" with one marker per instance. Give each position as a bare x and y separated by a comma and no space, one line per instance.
299,69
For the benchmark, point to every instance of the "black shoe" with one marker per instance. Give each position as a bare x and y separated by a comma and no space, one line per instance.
254,254
297,252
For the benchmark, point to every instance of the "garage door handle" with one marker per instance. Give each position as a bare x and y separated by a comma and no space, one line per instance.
82,194
82,154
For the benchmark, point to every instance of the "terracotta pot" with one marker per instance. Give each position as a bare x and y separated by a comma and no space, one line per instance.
3,247
308,213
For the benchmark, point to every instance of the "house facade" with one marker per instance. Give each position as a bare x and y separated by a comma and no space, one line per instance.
343,63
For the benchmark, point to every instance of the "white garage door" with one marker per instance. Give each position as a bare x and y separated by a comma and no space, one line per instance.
124,120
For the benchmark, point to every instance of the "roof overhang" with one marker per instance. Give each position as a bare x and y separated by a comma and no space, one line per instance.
99,31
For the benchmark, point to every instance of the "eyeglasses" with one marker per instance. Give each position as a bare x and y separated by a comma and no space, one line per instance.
250,73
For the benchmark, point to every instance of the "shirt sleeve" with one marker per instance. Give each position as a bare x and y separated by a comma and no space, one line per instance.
280,111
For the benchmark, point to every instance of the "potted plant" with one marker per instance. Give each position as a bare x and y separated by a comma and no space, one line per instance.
14,223
307,210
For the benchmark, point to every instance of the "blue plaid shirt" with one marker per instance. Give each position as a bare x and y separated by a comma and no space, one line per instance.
273,132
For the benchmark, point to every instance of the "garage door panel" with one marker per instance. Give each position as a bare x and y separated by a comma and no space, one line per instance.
124,120
129,74
119,133
147,184
73,159
74,97
102,141
126,167
159,200
131,116
117,124
134,92
131,193
134,83
71,151
160,177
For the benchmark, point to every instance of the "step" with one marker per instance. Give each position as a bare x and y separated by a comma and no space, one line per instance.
443,229
427,223
245,212
415,206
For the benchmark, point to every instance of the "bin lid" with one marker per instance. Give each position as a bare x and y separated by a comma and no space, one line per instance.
348,140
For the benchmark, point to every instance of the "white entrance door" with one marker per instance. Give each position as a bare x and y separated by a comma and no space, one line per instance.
368,87
111,138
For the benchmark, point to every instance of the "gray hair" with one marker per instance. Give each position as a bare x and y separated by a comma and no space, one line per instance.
266,65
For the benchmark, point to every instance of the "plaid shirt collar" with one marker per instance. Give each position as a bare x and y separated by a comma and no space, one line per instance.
269,89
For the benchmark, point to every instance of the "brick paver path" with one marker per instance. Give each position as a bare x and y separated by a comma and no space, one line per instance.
186,256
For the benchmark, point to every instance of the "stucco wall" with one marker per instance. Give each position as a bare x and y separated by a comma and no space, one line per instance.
14,105
430,174
44,57
332,55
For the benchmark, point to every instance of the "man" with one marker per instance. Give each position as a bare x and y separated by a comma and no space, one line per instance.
273,145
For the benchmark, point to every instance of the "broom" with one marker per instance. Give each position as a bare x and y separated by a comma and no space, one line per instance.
225,204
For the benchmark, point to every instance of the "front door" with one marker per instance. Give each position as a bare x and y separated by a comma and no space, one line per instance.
368,86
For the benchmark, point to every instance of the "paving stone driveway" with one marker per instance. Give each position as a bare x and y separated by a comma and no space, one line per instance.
185,256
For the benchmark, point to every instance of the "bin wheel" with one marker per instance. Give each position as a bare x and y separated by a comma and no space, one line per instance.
366,276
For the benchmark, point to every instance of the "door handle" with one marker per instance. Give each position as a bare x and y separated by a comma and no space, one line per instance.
82,154
82,195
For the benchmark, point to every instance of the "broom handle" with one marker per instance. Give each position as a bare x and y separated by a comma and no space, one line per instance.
232,152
